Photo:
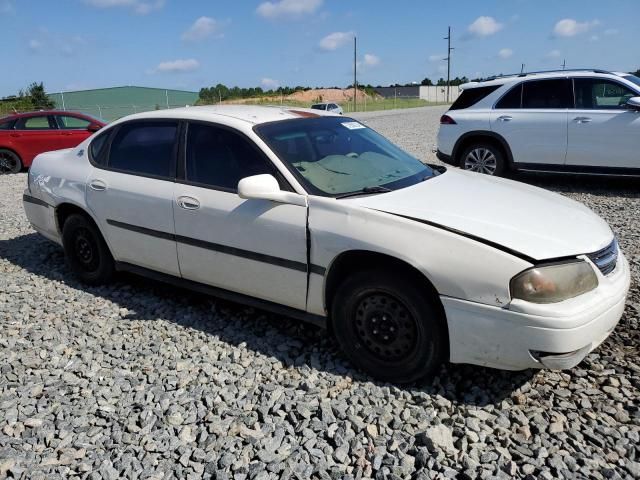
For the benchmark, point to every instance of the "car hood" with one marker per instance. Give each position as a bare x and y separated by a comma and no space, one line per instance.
527,220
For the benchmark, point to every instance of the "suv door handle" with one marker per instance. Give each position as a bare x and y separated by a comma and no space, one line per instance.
188,203
505,118
582,120
97,185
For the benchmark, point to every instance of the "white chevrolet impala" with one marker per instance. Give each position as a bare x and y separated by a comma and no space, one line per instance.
318,217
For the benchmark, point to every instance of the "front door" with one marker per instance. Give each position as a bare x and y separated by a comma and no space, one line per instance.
532,118
253,247
132,195
603,133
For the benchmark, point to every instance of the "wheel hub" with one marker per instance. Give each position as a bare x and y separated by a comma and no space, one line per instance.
481,160
84,249
385,326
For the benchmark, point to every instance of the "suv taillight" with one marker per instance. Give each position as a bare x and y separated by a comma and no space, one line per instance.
447,120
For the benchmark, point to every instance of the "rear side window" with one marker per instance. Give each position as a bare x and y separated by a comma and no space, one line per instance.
219,158
145,148
96,148
6,124
41,122
471,96
541,94
512,99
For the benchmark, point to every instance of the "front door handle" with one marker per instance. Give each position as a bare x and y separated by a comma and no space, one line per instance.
505,118
582,120
97,185
188,203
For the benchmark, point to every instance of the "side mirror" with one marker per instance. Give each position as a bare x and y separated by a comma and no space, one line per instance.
265,187
634,103
94,127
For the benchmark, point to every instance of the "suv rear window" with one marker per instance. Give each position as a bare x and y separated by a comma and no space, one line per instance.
471,96
547,94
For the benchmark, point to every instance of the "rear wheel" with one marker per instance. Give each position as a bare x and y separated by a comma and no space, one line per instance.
388,327
86,252
483,158
9,162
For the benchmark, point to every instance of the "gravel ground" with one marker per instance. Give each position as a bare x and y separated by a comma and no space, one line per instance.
140,380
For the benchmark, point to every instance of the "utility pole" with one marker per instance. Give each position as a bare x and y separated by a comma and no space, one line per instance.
522,69
448,59
564,64
355,71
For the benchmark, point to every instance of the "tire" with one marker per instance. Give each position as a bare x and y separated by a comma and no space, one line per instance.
483,157
9,162
86,252
388,327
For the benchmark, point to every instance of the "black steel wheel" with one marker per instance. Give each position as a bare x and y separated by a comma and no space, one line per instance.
389,326
9,162
85,251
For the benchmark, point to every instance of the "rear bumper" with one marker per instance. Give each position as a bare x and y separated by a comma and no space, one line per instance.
444,157
515,340
41,216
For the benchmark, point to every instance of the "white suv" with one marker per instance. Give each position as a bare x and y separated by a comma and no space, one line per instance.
579,121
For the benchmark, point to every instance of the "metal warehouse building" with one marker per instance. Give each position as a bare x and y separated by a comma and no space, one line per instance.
116,102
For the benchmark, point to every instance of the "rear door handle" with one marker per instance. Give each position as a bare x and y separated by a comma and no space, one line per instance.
188,203
582,120
505,118
97,185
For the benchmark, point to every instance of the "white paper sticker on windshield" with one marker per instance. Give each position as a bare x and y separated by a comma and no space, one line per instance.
353,125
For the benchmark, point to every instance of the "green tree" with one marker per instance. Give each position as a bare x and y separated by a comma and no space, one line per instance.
637,73
426,82
39,98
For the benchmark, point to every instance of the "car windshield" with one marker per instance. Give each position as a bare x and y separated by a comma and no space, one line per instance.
632,78
334,156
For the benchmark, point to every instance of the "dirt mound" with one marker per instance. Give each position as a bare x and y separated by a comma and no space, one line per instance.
336,95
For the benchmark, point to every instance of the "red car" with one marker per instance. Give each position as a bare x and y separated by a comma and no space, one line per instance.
25,135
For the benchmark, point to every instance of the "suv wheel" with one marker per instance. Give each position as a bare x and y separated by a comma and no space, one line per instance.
86,252
388,327
9,162
483,158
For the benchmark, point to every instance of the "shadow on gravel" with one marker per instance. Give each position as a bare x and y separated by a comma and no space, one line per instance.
293,343
593,185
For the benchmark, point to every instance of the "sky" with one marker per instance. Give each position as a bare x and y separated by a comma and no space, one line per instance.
189,44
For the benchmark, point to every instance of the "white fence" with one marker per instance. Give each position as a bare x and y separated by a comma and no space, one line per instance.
439,94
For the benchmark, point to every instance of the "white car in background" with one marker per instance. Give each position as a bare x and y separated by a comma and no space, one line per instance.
318,217
579,121
328,107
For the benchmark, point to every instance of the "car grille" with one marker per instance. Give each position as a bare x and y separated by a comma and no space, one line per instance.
606,258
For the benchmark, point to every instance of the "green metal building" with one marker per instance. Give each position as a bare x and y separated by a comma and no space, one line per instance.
116,102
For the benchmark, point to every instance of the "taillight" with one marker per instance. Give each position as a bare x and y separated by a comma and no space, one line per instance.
447,120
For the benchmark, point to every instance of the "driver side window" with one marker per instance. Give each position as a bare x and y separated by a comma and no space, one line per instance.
600,94
219,158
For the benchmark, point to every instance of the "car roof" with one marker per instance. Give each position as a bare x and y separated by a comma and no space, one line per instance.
252,114
518,77
44,112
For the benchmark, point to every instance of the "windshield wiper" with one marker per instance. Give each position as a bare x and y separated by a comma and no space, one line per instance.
366,190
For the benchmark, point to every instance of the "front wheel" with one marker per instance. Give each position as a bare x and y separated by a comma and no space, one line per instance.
483,158
389,327
86,252
9,162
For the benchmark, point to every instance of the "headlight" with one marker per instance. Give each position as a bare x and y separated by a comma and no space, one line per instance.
554,283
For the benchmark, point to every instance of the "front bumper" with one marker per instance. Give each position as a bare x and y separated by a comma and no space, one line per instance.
443,157
516,340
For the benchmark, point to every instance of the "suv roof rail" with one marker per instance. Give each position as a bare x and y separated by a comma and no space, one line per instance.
568,70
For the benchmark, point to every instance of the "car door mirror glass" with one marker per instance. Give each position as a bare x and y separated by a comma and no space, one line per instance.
266,187
634,103
94,127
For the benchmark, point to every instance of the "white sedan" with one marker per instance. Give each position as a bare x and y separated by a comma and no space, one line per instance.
318,217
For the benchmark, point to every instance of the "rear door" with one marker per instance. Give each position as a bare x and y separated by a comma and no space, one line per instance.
130,191
532,118
34,135
72,130
254,247
603,133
